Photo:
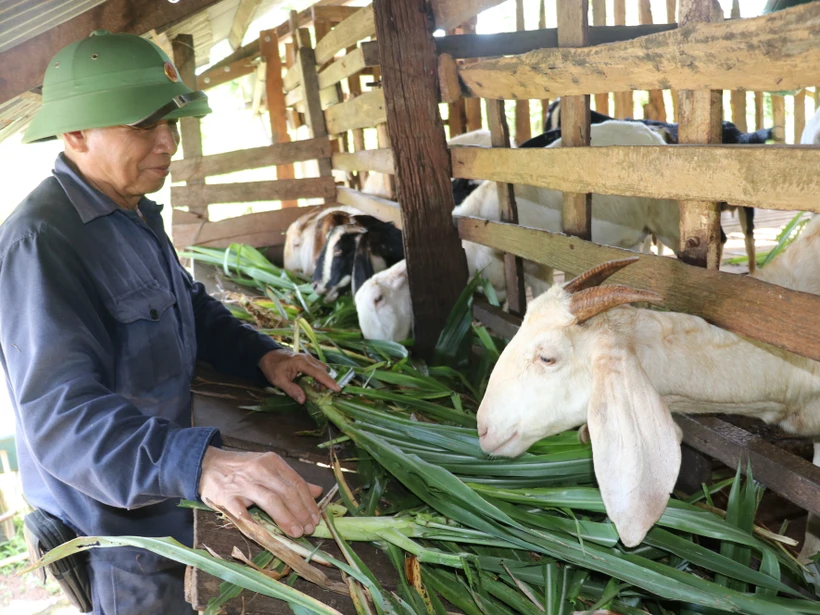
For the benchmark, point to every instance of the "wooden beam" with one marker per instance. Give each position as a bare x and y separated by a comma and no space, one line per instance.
30,58
259,230
364,111
599,19
573,31
314,118
655,108
269,49
448,14
217,76
772,177
190,134
624,103
779,117
352,63
246,192
436,264
759,110
738,97
383,209
513,265
515,43
358,26
253,158
327,98
379,160
523,130
542,23
241,20
658,62
700,114
354,86
799,115
741,304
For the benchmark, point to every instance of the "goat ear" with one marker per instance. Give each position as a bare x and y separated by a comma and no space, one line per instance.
635,443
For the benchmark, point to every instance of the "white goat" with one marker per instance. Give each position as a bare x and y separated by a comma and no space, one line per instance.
576,360
383,304
617,220
811,133
305,237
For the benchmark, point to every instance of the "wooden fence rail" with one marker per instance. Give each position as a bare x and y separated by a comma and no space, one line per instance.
363,111
755,175
740,304
283,189
748,54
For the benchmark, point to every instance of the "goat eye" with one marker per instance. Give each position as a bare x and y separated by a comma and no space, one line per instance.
378,299
337,252
546,360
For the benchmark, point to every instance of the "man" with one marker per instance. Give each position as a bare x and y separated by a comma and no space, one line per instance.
100,328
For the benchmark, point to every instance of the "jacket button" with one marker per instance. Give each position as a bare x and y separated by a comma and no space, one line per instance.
154,314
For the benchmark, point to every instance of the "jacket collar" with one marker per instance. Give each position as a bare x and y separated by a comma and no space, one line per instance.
89,202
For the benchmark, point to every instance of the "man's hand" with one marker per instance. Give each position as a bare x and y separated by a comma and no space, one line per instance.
236,480
281,367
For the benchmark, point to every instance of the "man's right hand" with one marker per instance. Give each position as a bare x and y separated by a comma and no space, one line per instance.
236,480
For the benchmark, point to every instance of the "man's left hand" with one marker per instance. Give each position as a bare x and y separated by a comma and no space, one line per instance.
281,367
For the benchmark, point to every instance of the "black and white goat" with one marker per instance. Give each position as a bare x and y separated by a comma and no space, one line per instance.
355,251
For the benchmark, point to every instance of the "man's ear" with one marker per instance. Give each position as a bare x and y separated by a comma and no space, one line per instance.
76,141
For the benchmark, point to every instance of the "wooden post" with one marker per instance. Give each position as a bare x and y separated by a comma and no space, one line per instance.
799,115
275,92
189,129
599,19
523,130
758,110
383,137
545,102
779,116
436,264
457,116
354,86
738,97
573,31
672,17
700,122
314,117
655,109
472,106
624,104
513,265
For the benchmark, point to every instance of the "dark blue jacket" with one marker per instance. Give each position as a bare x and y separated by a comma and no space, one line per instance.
100,328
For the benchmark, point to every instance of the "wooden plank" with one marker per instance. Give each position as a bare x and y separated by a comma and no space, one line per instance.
354,86
599,19
358,26
759,110
768,176
680,59
779,117
246,192
436,264
30,58
217,76
379,160
740,304
350,64
573,32
259,230
542,23
700,114
241,20
799,115
448,14
252,158
513,265
383,209
654,109
383,139
514,43
523,130
624,103
364,111
449,85
738,97
269,49
314,117
327,98
334,14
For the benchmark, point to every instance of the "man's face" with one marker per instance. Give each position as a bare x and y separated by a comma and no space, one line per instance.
129,161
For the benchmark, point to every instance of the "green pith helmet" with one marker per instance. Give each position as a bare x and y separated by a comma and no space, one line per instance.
111,80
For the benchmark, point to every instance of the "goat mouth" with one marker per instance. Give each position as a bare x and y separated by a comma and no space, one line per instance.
497,451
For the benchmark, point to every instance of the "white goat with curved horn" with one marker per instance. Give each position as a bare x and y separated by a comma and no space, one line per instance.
578,358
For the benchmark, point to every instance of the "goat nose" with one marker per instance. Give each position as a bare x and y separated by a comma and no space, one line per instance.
482,430
315,285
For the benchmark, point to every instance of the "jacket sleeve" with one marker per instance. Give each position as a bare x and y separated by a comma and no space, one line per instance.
231,346
60,357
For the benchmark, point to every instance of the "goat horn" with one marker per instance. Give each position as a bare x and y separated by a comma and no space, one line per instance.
596,275
593,301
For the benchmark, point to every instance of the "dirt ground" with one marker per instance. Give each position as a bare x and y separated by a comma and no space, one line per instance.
26,595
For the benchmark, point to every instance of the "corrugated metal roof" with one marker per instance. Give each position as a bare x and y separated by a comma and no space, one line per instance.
21,20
